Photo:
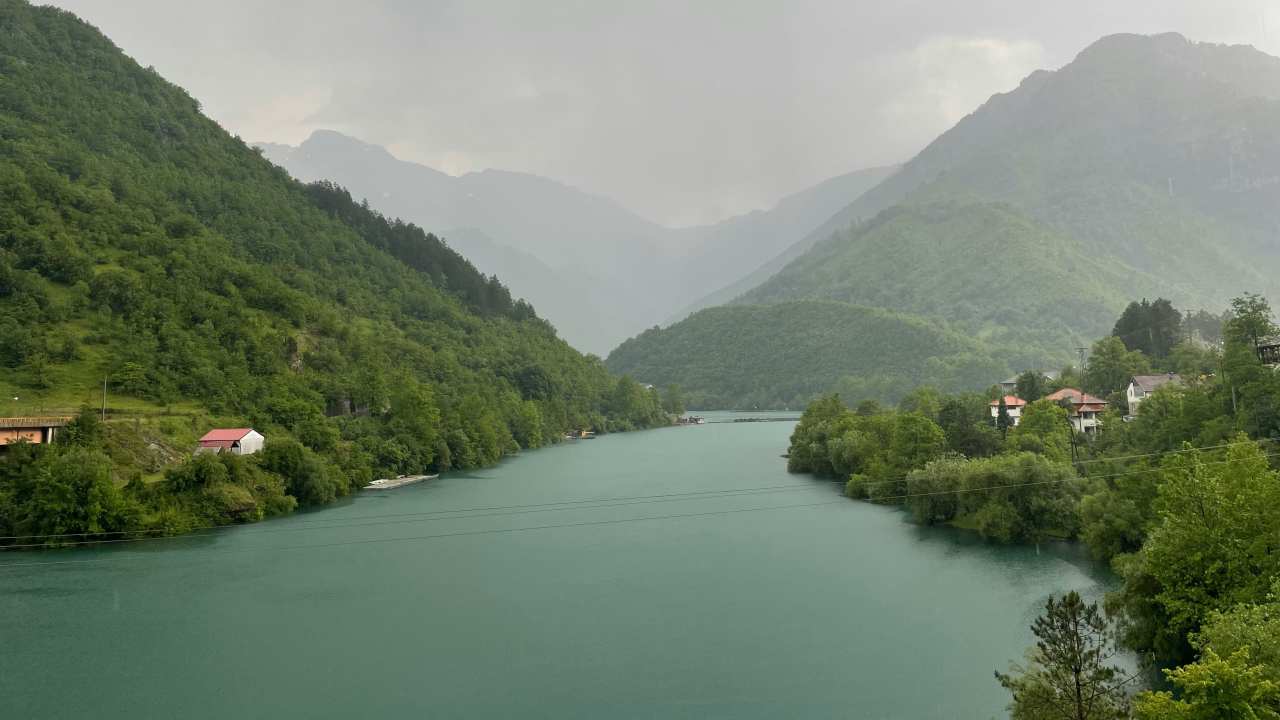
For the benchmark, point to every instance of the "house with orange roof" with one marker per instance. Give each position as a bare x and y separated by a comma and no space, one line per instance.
1013,404
1085,409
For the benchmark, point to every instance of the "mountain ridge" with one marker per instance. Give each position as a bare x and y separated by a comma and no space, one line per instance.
1147,166
646,271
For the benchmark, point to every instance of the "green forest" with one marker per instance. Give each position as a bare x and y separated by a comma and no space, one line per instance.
783,355
152,262
1180,499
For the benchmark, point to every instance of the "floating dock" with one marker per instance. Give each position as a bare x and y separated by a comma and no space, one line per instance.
395,482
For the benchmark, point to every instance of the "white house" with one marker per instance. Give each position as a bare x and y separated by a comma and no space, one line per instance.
237,441
1141,386
1013,404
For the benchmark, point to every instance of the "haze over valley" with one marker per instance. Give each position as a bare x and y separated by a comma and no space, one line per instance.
580,360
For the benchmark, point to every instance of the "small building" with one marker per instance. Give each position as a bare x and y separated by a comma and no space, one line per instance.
1085,409
1269,351
1010,385
35,430
1141,386
1013,404
237,441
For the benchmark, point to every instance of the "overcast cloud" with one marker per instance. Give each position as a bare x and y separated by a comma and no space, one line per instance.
684,112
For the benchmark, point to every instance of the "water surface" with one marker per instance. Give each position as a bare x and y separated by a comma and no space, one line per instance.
775,599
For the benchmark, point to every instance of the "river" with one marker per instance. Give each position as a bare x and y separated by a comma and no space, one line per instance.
767,596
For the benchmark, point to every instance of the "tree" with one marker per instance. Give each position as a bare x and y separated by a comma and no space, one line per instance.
673,400
1204,326
926,400
1251,320
1111,365
1237,674
1212,548
1068,675
1214,688
1003,421
966,421
1152,328
1043,428
1032,386
1192,360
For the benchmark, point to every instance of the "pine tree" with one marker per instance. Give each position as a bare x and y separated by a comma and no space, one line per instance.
1003,421
1068,676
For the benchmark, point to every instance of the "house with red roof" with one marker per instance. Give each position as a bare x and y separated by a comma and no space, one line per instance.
237,441
1085,409
1013,404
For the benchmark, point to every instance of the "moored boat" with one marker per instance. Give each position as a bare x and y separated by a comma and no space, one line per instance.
399,481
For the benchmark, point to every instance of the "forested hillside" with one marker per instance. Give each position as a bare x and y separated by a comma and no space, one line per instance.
776,356
1154,156
144,247
1149,166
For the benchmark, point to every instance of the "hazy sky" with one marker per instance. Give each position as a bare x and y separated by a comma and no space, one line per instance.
683,111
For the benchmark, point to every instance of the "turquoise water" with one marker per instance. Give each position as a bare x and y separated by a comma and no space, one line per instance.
782,602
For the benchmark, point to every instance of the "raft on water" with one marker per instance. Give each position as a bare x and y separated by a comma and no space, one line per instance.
395,482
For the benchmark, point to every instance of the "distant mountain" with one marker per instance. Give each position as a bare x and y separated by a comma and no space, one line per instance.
601,272
744,251
1148,166
1155,157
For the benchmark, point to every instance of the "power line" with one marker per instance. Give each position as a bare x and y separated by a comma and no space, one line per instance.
599,503
904,478
669,497
492,531
1175,452
505,510
691,495
953,491
341,526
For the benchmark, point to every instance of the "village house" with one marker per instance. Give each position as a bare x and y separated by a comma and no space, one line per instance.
1141,386
1085,409
35,430
1013,404
1010,385
237,441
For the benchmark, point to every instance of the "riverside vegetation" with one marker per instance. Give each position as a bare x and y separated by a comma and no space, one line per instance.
142,245
1182,501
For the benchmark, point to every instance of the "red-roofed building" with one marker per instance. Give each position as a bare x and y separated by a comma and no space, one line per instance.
1085,409
1013,403
237,441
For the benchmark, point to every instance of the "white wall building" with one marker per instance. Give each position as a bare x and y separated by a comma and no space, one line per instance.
237,441
1141,386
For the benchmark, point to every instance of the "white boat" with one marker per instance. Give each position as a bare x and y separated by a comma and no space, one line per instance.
399,481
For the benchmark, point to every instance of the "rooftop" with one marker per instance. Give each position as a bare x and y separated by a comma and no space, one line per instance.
1009,401
1076,397
34,422
225,435
1148,383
